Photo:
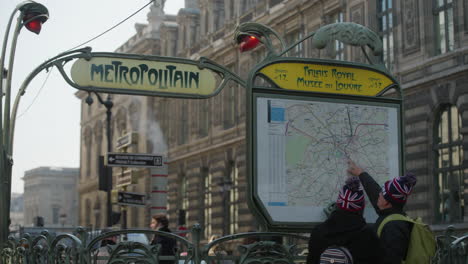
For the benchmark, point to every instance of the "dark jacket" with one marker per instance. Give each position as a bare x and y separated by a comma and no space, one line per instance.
168,245
395,234
346,229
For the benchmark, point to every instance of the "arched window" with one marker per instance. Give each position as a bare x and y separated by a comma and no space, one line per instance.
449,170
183,197
208,201
444,26
234,199
386,28
184,124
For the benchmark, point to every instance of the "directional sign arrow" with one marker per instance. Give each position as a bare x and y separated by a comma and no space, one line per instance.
132,199
134,160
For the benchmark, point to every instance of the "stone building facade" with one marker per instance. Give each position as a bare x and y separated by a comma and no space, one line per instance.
425,47
57,186
16,211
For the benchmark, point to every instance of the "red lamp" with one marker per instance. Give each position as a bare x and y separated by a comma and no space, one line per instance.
248,42
33,22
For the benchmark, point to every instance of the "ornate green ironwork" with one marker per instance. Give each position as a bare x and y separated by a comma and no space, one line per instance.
224,74
262,32
346,32
79,248
262,248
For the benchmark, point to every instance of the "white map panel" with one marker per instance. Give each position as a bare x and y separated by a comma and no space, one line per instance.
303,148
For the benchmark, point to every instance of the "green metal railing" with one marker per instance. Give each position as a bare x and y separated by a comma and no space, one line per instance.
451,248
82,247
262,247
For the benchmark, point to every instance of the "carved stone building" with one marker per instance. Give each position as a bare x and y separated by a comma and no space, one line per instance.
57,186
425,47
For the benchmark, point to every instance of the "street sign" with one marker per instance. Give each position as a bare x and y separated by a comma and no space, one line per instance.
132,199
133,160
327,78
127,140
132,74
125,178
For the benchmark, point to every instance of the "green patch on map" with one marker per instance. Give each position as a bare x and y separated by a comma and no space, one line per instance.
295,149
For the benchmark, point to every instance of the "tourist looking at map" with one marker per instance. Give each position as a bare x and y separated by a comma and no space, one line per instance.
387,200
346,227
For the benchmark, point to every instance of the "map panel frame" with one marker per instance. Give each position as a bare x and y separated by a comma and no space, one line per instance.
255,197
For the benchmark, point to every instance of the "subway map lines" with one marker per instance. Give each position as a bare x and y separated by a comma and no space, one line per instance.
319,140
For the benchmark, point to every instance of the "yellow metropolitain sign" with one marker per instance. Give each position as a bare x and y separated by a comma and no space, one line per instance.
143,75
326,78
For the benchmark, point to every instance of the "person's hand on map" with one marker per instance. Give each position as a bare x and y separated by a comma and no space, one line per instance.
353,169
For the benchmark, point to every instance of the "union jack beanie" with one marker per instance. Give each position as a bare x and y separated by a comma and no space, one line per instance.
398,189
351,196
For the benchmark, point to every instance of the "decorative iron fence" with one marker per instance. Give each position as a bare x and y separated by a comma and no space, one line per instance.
133,247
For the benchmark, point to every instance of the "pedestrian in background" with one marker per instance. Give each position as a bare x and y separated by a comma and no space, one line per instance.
160,222
102,255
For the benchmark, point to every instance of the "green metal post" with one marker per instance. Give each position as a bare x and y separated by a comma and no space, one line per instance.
5,185
108,104
196,237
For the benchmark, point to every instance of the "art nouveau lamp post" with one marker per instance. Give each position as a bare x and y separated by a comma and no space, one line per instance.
31,15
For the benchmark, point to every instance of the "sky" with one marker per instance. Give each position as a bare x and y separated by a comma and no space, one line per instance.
47,131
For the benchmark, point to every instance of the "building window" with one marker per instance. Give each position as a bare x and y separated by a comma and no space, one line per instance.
207,22
55,215
443,25
292,38
87,141
230,194
247,5
208,203
204,117
449,166
234,200
229,103
385,20
183,132
219,15
231,10
338,47
183,193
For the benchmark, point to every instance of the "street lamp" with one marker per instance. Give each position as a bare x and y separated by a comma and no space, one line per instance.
32,16
108,104
249,35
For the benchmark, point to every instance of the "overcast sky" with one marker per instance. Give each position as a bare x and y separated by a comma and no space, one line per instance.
48,125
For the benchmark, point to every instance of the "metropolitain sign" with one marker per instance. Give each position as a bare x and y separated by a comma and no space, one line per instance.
144,77
326,78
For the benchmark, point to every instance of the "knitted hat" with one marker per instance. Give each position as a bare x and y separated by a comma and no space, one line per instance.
351,196
398,189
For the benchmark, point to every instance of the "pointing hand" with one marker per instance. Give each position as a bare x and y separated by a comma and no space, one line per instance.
353,169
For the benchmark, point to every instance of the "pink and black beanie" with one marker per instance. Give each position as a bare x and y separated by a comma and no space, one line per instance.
351,196
397,190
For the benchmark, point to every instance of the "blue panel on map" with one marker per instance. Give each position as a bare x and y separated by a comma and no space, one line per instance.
277,114
277,204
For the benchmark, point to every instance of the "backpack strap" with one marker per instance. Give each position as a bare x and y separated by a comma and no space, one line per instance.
393,217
